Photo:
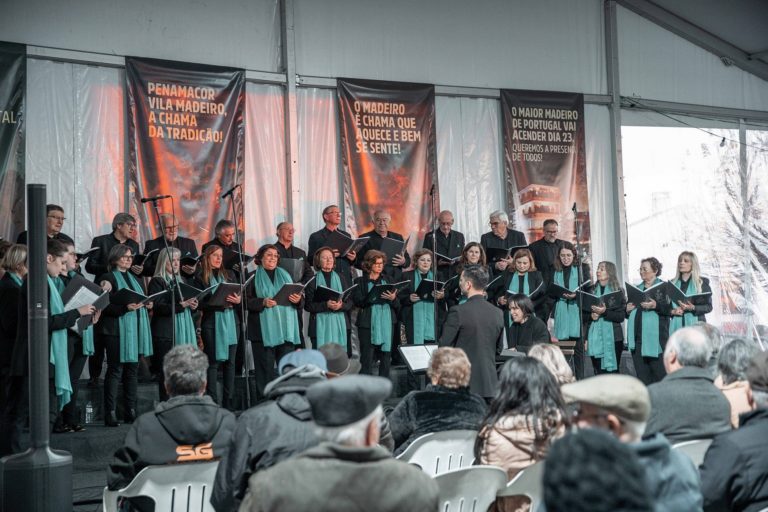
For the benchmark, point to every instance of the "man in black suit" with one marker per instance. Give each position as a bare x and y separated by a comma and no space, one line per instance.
54,221
476,327
501,237
545,252
444,241
318,239
393,269
225,238
187,246
123,228
286,249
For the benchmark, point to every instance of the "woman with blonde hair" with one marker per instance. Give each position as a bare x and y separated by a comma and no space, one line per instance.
554,360
605,337
688,278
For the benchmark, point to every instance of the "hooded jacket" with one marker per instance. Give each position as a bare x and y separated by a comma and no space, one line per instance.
186,428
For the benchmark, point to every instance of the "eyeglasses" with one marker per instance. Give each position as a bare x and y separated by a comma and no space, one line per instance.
127,257
57,217
130,224
495,223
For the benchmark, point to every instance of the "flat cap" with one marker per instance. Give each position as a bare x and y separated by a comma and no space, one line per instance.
757,372
622,395
299,358
344,400
338,361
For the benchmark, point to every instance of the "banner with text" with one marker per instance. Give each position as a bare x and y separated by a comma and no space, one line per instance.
13,71
388,153
545,163
186,139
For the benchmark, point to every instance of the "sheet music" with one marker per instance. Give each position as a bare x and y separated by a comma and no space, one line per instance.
82,297
417,356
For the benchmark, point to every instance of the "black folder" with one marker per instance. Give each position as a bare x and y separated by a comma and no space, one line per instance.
677,295
611,300
324,294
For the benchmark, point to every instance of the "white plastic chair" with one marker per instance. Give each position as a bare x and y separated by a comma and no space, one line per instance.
527,482
695,449
441,451
174,488
471,489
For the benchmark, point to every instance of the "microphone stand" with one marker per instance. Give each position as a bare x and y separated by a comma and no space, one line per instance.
434,260
247,364
580,276
173,271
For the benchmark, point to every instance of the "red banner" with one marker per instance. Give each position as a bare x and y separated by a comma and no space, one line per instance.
185,139
388,153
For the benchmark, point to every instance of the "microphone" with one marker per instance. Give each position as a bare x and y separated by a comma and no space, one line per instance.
230,191
153,199
432,190
573,208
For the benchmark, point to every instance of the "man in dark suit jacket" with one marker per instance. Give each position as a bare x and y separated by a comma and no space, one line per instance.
318,239
686,405
225,238
54,221
501,237
187,246
393,269
545,252
476,328
286,249
444,241
123,228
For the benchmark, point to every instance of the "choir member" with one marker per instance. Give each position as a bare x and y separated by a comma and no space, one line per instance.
519,278
79,347
187,246
501,237
318,239
566,313
126,334
524,328
219,327
329,320
688,278
648,327
472,254
545,252
14,263
444,241
392,269
162,324
123,230
605,337
285,247
272,328
54,221
419,314
377,314
225,238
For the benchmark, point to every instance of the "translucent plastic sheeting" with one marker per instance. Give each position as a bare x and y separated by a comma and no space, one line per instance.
75,142
265,181
469,161
319,170
691,192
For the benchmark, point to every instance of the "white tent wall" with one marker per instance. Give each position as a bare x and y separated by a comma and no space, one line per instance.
550,44
238,33
75,142
657,64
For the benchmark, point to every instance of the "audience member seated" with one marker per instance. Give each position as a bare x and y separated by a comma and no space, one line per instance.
716,341
734,474
188,427
554,360
590,471
732,366
686,405
271,431
339,364
348,472
526,415
446,403
621,405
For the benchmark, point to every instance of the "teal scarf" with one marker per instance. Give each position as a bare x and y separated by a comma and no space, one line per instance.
279,323
514,285
87,334
16,278
600,338
330,326
567,311
381,323
58,356
185,326
423,315
135,336
225,327
650,328
688,317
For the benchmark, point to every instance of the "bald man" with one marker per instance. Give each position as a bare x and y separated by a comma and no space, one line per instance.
444,241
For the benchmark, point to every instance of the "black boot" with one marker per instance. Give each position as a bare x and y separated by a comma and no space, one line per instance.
110,419
129,415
